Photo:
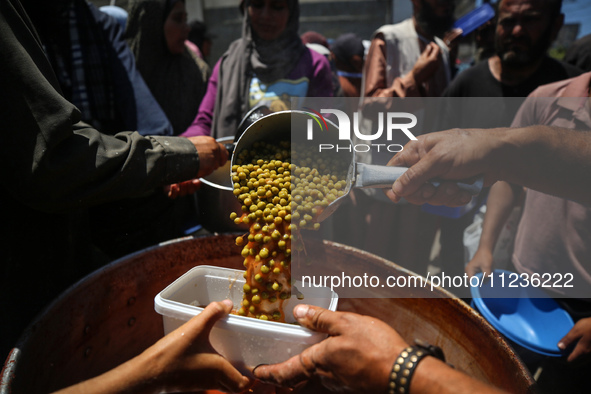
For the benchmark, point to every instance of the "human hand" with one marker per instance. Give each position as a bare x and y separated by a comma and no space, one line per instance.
358,354
451,37
581,333
182,189
447,155
481,262
212,154
427,63
184,360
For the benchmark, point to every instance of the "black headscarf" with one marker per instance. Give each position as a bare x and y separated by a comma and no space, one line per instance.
248,56
178,82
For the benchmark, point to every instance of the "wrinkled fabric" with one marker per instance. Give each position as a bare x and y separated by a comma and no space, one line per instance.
554,234
95,68
311,66
52,167
178,82
393,53
80,58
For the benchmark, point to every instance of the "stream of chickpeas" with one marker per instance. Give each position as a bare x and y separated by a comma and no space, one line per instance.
282,190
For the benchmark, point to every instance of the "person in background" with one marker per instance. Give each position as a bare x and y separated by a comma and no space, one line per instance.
55,167
407,59
524,31
116,12
267,66
95,68
318,43
579,53
156,33
484,38
410,59
348,56
200,38
554,234
554,230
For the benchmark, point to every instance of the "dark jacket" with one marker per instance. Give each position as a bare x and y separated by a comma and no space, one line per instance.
52,168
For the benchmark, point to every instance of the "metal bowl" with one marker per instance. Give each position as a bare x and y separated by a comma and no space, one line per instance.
215,200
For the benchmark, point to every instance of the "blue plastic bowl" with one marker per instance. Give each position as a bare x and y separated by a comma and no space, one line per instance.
525,314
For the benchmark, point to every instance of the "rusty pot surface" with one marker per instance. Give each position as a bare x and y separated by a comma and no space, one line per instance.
108,318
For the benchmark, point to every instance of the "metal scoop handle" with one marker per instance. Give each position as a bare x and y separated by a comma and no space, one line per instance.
381,177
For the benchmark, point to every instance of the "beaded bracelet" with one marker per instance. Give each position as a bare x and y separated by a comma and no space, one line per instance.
406,363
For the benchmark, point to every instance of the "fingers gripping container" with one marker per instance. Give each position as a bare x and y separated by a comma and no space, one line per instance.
246,342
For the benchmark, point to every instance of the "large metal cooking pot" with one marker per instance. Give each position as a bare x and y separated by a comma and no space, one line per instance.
109,317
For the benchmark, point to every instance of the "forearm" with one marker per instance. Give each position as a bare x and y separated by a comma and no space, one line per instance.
405,86
376,81
547,159
501,200
84,167
434,376
182,361
130,377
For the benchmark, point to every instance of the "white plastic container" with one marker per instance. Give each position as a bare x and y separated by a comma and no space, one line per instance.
245,342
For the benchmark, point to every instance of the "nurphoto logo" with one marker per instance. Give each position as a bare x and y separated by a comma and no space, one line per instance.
388,123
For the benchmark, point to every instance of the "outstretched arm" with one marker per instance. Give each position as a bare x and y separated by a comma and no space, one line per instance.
184,360
548,159
501,199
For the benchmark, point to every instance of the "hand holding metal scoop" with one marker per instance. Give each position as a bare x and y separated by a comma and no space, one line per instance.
282,126
382,177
